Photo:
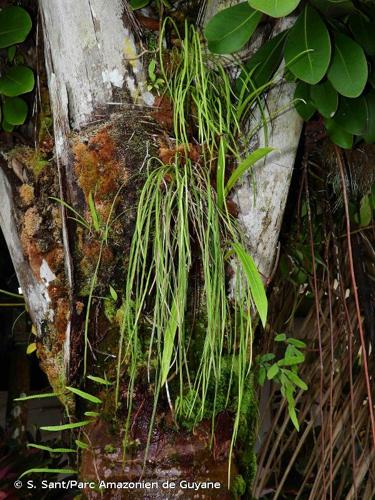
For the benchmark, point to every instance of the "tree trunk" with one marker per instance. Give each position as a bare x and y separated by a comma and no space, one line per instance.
102,135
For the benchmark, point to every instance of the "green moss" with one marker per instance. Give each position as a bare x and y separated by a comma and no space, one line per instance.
238,487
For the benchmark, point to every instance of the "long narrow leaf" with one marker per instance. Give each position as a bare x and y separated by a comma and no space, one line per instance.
258,292
51,450
85,395
65,427
37,396
48,471
248,162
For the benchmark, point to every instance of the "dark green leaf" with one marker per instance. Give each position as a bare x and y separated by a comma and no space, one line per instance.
14,110
363,32
365,211
15,25
338,135
348,72
17,80
11,52
7,127
308,47
352,115
325,98
275,8
230,29
334,8
302,101
263,64
139,4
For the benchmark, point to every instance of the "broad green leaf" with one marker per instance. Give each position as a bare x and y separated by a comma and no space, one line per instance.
325,98
296,380
85,395
14,110
263,64
338,135
99,380
272,372
230,29
138,4
275,8
254,280
308,47
16,81
365,211
65,427
51,450
45,470
302,101
363,32
352,115
349,71
248,162
15,25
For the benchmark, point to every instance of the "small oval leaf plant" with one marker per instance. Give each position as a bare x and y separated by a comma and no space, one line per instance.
16,79
329,52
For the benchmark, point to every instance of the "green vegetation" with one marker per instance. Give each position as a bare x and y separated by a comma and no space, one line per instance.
17,79
328,51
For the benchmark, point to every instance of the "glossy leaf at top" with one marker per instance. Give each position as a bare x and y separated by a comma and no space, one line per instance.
230,29
349,71
275,8
308,47
15,25
16,81
263,64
